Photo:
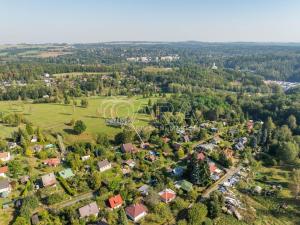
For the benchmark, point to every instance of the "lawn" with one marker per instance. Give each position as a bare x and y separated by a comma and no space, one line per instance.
74,74
54,117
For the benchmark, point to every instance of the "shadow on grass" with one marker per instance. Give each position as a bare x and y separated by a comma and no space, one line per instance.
70,131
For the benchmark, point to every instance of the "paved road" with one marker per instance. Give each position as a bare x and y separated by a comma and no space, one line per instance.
215,186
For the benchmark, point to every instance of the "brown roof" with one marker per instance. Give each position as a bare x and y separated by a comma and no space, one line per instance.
3,155
135,210
52,161
88,210
48,179
4,169
103,163
128,148
4,183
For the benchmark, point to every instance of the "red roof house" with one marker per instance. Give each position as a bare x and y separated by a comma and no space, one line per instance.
115,202
128,148
212,167
136,212
3,171
52,162
167,195
201,156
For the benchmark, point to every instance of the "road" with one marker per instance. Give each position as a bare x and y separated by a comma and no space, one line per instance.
215,186
73,200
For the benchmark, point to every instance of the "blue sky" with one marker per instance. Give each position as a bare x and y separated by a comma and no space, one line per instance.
73,21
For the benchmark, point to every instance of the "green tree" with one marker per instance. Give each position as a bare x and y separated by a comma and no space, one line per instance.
292,122
196,214
21,221
122,217
29,128
84,103
102,139
79,127
180,153
198,171
295,183
288,151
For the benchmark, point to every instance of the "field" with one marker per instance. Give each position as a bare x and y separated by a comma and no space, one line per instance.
54,117
153,69
74,74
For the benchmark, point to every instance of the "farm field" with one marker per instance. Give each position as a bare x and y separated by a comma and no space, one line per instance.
54,117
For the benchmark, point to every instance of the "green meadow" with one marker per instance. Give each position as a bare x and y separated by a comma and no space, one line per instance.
54,117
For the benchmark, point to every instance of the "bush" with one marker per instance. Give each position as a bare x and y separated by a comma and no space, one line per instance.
79,127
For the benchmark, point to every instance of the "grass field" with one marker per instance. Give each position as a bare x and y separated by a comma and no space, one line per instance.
53,117
74,74
154,69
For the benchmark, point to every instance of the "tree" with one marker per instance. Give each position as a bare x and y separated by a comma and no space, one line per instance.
288,151
180,153
21,221
102,139
122,217
84,103
198,171
79,127
295,183
196,214
96,180
126,136
29,128
292,122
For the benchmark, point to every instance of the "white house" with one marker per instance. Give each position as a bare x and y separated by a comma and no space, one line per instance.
5,187
5,156
104,165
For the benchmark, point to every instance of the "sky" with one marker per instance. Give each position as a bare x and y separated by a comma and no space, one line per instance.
86,21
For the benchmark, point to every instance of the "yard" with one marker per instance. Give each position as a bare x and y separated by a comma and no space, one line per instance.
55,117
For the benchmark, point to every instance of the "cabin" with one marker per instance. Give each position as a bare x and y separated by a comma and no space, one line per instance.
5,156
104,165
144,190
167,195
3,171
12,145
128,148
115,201
49,180
89,210
5,187
52,162
136,212
130,163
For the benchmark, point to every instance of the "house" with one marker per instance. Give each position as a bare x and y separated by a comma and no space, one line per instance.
12,145
228,153
136,211
66,173
35,219
104,165
5,156
184,185
216,140
115,201
128,148
130,163
165,140
200,156
206,147
178,171
145,145
167,195
250,125
85,157
3,171
49,180
37,148
24,179
239,146
5,187
186,138
144,190
52,162
150,157
34,139
89,210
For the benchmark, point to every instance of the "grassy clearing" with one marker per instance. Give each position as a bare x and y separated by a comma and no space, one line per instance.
154,69
75,74
54,117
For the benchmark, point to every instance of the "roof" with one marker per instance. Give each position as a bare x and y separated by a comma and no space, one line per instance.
201,156
4,169
88,210
4,155
66,173
167,194
128,148
135,210
52,161
4,183
186,186
144,188
35,219
115,201
103,163
48,179
212,167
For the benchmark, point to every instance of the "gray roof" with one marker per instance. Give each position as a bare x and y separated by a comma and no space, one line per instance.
4,183
88,210
103,163
48,179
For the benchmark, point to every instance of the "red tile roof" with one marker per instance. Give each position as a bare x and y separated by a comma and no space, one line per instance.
167,195
212,167
52,161
4,169
135,210
128,148
115,201
4,155
200,156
